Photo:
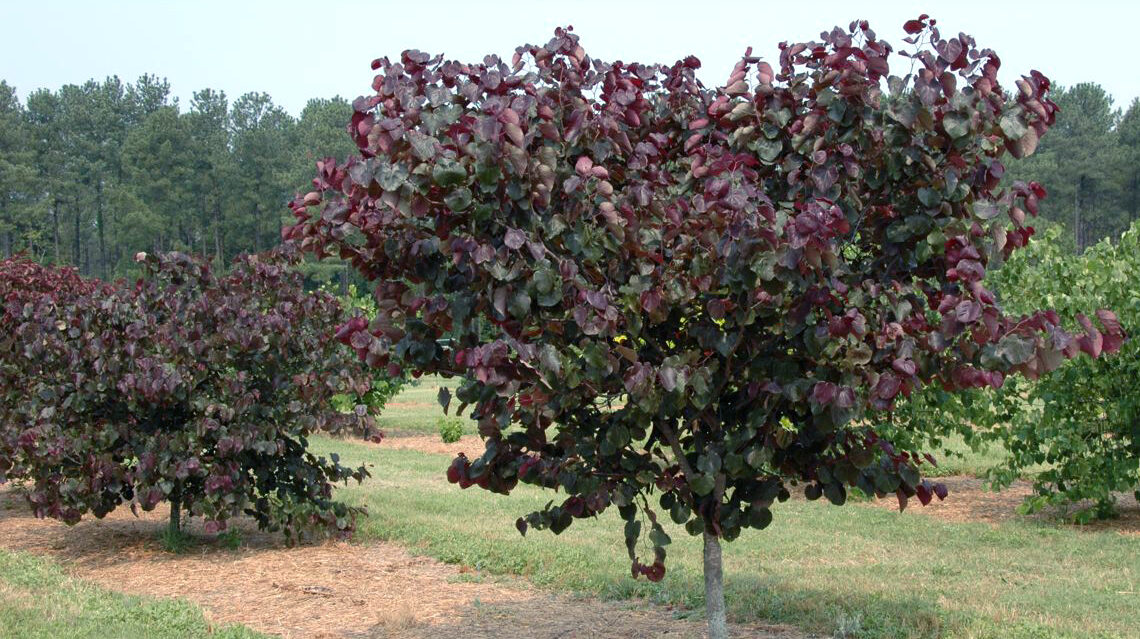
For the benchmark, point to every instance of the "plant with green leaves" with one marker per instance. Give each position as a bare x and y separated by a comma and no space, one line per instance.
384,386
1080,422
674,299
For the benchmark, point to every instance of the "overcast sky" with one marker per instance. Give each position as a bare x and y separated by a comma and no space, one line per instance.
298,50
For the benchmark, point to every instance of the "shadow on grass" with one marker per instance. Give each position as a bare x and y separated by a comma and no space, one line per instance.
121,537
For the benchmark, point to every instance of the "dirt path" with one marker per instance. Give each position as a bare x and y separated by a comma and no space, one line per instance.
331,590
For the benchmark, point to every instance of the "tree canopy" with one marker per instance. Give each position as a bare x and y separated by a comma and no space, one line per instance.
708,296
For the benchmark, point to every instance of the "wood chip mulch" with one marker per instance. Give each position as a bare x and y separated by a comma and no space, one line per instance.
330,590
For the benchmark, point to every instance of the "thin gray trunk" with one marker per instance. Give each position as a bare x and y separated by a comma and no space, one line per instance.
176,508
1077,214
218,230
714,588
257,228
102,223
55,227
76,240
1132,199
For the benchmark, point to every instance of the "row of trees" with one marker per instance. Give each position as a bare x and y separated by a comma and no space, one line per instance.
90,174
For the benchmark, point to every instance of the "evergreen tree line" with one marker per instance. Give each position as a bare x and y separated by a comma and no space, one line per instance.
1090,164
90,174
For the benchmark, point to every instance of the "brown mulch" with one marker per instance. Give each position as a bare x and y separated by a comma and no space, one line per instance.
469,444
969,500
330,590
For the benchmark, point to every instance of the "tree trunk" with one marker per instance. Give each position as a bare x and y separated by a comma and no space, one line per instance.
714,588
1135,186
1077,214
218,232
101,223
55,226
257,228
176,508
76,243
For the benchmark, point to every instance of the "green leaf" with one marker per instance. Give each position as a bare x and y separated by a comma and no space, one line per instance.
769,150
956,125
702,484
448,173
658,537
1012,126
459,199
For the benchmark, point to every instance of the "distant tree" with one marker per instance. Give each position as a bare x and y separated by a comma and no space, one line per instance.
1077,159
207,123
260,134
1128,132
17,176
160,166
707,296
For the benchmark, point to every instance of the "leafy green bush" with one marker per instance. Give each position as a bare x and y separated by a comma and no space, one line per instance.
450,429
1080,422
1083,420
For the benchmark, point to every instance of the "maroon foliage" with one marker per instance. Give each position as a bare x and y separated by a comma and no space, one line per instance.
189,386
651,286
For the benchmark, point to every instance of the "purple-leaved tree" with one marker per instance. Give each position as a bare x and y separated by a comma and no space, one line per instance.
684,301
190,387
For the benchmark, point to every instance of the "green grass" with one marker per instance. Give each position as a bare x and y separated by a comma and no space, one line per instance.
963,460
902,575
416,409
37,600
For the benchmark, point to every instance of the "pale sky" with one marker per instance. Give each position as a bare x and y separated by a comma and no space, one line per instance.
298,50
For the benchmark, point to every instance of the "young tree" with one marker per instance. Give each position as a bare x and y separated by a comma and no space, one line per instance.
189,387
708,296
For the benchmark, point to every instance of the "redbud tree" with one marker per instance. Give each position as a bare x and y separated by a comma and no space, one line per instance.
191,387
684,301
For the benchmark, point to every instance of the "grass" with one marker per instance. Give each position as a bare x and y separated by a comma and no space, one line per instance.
818,567
39,601
416,409
962,460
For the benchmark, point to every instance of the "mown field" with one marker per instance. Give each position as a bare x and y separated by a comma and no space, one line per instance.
856,571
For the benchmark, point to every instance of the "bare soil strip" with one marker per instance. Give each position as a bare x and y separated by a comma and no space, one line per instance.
330,590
